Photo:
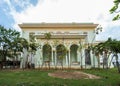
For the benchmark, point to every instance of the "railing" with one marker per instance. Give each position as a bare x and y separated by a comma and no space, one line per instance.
60,33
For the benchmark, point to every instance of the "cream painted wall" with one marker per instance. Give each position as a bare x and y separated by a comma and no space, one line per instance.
67,42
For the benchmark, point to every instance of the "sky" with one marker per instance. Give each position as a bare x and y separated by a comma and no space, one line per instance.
14,12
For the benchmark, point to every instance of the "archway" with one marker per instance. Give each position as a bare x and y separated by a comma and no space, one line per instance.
47,52
61,53
73,53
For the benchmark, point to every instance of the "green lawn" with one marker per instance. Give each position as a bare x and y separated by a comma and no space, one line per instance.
110,77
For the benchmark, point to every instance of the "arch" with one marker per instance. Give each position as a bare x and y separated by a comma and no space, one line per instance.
47,55
61,53
73,53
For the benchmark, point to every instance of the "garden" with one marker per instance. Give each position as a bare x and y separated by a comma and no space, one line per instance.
37,77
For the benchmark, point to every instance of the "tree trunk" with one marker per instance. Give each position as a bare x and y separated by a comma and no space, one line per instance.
117,63
111,61
98,62
93,60
103,63
62,64
81,60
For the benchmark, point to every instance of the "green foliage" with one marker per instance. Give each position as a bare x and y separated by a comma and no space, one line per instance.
109,46
47,35
33,46
61,50
32,37
115,9
11,42
47,52
116,17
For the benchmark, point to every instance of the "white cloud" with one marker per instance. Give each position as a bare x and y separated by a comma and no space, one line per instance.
63,11
96,11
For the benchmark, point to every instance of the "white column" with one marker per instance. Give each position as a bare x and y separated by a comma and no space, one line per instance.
24,56
78,56
83,57
39,62
41,56
109,60
36,58
91,58
69,57
52,56
21,61
55,58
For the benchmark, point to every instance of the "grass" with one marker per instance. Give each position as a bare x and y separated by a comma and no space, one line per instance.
110,77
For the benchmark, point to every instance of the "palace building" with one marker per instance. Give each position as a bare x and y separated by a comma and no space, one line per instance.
65,43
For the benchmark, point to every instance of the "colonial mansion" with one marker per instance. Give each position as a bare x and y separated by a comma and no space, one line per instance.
74,37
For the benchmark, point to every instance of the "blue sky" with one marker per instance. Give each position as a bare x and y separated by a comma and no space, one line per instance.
7,6
14,12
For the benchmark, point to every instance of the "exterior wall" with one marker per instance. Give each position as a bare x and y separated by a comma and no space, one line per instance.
25,34
91,36
67,42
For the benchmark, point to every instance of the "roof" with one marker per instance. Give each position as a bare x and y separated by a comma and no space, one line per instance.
59,25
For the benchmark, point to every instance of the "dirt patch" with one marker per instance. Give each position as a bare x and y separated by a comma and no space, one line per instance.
72,75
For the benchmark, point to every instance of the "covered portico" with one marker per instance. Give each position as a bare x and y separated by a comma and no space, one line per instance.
63,48
72,38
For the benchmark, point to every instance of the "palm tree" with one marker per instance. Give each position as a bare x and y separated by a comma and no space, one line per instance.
114,48
111,46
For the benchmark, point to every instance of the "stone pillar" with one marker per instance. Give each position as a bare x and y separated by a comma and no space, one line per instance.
92,57
37,58
110,64
69,57
83,57
41,57
52,56
78,56
21,61
66,59
24,57
55,58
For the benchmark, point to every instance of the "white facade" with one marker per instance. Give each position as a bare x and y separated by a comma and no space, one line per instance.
68,35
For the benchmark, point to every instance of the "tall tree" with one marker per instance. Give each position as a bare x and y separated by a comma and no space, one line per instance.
33,45
114,48
11,43
111,45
